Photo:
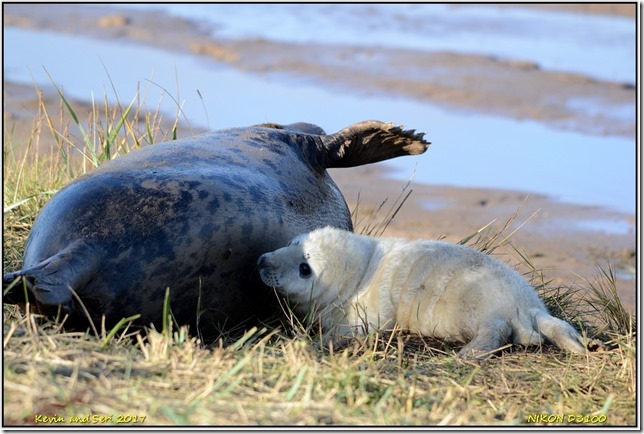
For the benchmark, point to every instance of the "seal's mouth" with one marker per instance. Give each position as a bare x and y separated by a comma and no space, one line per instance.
269,279
267,272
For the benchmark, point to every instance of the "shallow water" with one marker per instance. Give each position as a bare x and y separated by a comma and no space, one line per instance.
594,45
467,149
611,226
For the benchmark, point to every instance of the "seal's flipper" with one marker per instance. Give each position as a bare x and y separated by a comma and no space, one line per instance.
489,338
370,142
50,281
559,332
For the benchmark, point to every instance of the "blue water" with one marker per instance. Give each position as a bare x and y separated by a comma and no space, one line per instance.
611,226
467,150
597,46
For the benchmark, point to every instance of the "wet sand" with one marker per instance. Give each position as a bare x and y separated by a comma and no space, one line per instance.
554,239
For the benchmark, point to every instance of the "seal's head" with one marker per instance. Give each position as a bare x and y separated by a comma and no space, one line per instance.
292,270
321,266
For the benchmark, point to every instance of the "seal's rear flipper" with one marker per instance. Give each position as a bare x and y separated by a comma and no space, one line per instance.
559,332
52,280
370,142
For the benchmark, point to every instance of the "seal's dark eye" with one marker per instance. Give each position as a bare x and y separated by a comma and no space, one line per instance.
305,270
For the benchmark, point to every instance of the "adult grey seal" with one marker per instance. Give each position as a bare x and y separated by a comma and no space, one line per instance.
193,215
354,284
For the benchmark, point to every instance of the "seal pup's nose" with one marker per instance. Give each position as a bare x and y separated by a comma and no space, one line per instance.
263,262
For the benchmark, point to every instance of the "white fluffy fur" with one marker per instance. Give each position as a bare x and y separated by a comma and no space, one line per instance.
442,290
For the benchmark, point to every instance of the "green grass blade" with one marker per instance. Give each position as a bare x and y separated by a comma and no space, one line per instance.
70,110
296,384
15,205
114,131
166,331
116,328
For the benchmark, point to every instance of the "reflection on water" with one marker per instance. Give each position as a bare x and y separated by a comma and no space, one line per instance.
467,150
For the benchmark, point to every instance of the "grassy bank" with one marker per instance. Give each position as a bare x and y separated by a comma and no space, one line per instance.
283,376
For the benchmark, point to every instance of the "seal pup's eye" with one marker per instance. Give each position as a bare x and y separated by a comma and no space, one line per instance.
305,270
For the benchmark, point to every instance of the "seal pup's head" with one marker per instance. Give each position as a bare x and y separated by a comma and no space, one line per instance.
322,267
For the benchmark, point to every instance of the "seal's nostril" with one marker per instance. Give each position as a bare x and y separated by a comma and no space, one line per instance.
262,262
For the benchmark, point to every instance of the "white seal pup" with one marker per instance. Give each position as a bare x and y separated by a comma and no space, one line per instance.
357,283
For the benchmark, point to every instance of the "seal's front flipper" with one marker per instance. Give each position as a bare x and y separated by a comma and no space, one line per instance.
370,142
52,280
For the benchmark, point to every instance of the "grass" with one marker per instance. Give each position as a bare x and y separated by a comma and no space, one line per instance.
283,376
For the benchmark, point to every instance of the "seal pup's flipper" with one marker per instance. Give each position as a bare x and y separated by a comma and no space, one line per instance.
369,142
50,281
559,332
489,338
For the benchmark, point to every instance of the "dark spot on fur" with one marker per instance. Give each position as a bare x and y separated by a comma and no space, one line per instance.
213,205
206,230
206,270
244,208
247,230
226,254
275,167
183,203
256,192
